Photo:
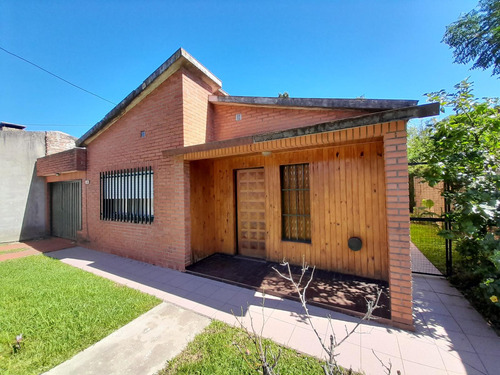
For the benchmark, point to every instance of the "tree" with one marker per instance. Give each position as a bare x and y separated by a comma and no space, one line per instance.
476,36
464,153
418,142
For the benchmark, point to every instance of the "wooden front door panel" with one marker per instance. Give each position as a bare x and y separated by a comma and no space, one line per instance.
251,212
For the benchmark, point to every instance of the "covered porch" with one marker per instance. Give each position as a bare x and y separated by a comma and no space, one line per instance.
331,290
333,195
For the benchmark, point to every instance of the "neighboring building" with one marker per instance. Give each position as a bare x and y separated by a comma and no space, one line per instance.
23,213
180,170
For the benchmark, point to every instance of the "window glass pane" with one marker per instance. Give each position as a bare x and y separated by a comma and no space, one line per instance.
296,205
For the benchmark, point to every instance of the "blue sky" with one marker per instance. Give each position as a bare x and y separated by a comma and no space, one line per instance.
333,49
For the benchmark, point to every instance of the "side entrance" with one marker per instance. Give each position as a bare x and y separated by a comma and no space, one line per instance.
65,208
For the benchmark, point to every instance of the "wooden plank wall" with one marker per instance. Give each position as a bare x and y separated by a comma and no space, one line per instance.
347,199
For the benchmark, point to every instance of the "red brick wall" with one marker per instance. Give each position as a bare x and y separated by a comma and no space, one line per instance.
198,126
62,162
258,120
171,116
398,224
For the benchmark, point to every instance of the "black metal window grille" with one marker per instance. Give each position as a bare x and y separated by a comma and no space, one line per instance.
295,203
127,195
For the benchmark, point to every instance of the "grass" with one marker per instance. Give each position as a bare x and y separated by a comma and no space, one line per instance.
60,310
213,352
17,250
426,238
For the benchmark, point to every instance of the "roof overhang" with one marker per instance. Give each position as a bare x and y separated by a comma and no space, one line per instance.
179,59
407,113
313,103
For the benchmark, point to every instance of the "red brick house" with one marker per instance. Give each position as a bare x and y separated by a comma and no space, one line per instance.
180,170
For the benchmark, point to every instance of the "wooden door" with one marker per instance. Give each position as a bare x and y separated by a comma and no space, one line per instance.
251,212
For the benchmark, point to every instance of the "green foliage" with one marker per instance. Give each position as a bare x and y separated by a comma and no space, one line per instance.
476,36
464,152
214,352
418,143
50,311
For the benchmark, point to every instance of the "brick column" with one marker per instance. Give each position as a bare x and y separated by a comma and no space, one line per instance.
177,210
398,225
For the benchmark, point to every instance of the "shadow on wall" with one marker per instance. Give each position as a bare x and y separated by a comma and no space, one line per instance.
33,225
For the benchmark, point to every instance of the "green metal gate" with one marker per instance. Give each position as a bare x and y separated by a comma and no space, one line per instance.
66,209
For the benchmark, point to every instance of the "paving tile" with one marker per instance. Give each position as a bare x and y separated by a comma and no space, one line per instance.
254,323
204,309
425,295
450,336
490,362
381,342
468,312
191,285
447,322
208,289
462,362
289,316
278,331
454,341
443,287
223,295
431,306
342,332
373,366
453,300
349,356
476,328
418,351
412,368
420,282
486,345
304,340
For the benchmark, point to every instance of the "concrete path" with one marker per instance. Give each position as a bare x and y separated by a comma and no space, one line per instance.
141,347
450,338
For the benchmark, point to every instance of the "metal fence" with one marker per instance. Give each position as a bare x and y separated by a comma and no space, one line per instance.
431,253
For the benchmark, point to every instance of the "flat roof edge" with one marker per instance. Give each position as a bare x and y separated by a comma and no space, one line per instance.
326,103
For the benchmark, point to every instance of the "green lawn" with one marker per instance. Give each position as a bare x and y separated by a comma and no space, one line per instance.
213,352
59,310
425,237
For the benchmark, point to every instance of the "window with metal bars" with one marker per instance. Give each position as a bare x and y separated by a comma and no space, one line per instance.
295,203
127,195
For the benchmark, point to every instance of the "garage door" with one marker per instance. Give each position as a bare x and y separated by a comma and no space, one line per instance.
66,209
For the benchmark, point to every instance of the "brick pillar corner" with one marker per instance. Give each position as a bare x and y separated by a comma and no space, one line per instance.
398,226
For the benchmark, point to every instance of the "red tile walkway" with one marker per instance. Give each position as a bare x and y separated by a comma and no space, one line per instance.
34,247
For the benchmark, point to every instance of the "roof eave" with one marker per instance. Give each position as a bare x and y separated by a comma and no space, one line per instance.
162,73
318,103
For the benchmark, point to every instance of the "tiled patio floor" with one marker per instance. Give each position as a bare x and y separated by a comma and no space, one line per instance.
450,338
341,292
